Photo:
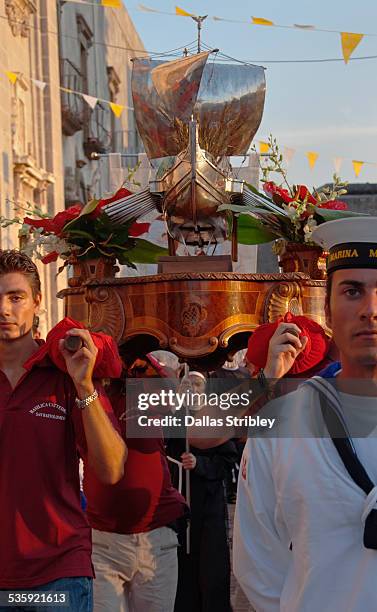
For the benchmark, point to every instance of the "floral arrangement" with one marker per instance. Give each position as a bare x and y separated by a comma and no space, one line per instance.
84,232
289,212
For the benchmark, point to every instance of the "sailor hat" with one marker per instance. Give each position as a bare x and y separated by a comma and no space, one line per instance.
351,242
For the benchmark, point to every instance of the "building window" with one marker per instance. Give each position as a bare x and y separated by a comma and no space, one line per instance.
114,87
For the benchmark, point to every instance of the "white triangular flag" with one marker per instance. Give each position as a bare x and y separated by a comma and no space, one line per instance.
90,100
337,164
288,153
40,84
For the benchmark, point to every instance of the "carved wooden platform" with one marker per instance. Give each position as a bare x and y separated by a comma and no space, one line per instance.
201,317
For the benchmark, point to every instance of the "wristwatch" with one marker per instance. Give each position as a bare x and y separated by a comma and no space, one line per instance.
83,403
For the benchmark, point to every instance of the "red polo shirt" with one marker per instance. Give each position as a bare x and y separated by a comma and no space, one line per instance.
44,534
144,499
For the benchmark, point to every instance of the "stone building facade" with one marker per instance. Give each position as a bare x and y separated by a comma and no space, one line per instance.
48,135
31,143
362,197
96,47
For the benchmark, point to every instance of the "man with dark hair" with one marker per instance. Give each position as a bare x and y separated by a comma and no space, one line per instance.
135,522
45,416
305,533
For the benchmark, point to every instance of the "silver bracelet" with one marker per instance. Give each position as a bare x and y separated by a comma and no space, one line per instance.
83,403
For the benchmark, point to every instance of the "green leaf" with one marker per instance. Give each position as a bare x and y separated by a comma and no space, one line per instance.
237,208
80,234
123,260
257,192
146,252
331,215
89,207
252,231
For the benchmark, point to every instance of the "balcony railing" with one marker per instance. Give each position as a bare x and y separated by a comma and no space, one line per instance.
73,106
97,134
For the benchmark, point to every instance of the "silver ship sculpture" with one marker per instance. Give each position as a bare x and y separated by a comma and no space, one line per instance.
192,115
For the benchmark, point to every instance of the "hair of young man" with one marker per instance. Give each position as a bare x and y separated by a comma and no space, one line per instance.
15,261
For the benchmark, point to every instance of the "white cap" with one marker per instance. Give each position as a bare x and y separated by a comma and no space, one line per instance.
348,229
199,374
351,242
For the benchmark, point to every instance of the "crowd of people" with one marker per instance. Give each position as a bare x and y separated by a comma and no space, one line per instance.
143,537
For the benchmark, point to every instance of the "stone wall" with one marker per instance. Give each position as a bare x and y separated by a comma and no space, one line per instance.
31,153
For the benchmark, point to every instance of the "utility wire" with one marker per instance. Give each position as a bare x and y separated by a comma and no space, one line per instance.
190,45
226,57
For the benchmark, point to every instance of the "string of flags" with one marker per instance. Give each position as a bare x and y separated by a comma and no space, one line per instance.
117,109
349,40
264,146
312,157
103,3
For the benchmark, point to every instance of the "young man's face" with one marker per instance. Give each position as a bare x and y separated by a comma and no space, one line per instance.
17,306
352,315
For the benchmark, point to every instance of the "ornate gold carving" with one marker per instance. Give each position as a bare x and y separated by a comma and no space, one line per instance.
106,312
192,317
18,13
209,276
281,298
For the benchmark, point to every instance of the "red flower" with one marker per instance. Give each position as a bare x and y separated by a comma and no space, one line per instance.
303,192
271,189
119,195
50,257
334,205
136,229
56,225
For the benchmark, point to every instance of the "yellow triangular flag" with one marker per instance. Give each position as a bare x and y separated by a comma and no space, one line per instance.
357,165
264,147
182,12
312,158
112,3
12,76
349,43
117,109
261,21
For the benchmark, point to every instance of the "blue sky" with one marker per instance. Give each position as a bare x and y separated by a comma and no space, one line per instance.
325,107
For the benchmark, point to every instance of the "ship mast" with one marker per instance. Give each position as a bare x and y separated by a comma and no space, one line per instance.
199,20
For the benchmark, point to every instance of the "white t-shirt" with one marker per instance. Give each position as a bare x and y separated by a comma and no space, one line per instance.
297,490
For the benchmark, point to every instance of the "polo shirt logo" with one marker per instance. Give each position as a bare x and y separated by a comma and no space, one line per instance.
55,411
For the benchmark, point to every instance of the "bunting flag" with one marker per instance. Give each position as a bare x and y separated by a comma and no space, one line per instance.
349,43
264,147
337,164
357,165
112,3
312,158
90,100
349,40
288,154
261,21
182,12
303,26
12,76
146,9
116,108
40,84
105,3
